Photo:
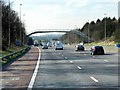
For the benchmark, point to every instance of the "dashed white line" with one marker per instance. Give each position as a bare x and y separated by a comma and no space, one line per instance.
106,60
62,55
66,58
17,78
71,61
35,73
94,79
59,53
6,82
79,67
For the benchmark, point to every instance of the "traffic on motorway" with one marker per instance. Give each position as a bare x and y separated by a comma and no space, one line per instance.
77,67
59,66
94,50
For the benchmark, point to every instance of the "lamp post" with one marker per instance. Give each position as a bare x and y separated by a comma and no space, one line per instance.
20,24
88,30
0,25
23,26
9,25
105,26
76,34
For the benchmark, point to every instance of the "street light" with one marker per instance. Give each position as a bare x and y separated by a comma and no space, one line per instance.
0,24
105,26
9,25
23,26
20,23
88,30
76,34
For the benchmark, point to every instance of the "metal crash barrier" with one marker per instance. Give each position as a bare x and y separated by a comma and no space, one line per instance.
14,55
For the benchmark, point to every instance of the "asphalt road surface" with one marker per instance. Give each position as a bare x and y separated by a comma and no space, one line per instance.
70,69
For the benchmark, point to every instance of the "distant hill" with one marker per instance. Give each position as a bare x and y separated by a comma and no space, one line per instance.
47,37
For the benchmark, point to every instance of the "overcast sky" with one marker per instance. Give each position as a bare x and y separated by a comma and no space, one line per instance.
67,14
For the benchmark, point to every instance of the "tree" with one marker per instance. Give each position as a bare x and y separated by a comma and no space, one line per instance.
11,21
30,41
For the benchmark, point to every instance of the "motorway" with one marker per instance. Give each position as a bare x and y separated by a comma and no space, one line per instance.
70,69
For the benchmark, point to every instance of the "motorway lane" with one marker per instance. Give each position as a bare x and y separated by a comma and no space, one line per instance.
102,67
69,69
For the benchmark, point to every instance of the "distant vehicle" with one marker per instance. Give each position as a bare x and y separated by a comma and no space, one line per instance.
58,45
44,46
117,45
40,44
97,50
49,44
79,47
36,43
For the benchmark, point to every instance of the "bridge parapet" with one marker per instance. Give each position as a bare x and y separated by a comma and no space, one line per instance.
61,30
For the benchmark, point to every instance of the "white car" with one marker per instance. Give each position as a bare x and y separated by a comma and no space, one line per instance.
49,44
58,45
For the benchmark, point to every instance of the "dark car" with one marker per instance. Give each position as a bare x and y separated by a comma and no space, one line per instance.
97,50
79,48
117,45
44,46
36,44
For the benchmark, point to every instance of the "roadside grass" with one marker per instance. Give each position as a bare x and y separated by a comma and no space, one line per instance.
102,43
109,42
11,50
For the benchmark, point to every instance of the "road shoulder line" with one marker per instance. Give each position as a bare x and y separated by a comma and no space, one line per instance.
35,73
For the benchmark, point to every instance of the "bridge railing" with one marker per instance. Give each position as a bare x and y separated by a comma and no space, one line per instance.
81,34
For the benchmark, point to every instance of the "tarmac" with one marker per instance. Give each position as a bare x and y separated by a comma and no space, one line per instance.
19,73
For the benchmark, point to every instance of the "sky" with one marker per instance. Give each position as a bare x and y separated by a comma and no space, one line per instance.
63,14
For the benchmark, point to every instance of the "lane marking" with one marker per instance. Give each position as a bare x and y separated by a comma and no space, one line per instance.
79,67
6,82
93,56
94,79
71,61
16,78
66,58
59,53
62,55
1,79
106,60
35,72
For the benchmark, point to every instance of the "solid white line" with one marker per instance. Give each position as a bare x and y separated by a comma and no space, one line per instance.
94,79
35,73
79,67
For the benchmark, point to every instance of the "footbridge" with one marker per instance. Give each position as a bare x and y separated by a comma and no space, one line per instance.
61,31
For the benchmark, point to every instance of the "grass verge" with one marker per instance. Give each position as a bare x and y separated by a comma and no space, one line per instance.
11,56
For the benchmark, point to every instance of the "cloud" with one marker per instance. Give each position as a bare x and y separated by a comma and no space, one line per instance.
63,13
77,3
109,1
